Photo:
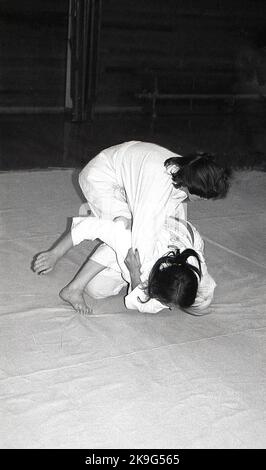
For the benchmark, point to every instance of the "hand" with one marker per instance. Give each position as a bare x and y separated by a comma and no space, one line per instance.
127,222
133,264
44,262
132,260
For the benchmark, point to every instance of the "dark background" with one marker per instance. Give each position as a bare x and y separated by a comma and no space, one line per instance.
179,47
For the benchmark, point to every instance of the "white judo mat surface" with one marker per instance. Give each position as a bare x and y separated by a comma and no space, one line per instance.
123,379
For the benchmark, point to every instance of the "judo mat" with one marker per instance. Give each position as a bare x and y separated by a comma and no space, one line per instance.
120,378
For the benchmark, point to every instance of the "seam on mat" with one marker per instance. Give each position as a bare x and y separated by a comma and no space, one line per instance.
136,352
246,258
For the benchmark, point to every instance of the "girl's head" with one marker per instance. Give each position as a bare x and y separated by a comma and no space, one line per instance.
200,175
173,281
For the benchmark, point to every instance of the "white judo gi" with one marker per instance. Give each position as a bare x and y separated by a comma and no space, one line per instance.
130,180
175,234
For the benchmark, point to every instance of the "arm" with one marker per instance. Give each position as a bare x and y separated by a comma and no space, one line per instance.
205,293
64,245
206,284
133,264
45,261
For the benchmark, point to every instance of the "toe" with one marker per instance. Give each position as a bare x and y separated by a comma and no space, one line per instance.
45,271
39,258
39,263
77,308
40,268
84,310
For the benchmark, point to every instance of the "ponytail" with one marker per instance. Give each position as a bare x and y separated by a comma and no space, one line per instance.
173,280
175,258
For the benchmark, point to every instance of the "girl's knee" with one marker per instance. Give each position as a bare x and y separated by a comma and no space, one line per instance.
104,285
94,294
97,289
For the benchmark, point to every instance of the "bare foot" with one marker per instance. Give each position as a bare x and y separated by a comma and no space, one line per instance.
75,298
45,262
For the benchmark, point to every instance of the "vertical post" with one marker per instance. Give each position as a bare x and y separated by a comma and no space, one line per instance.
84,32
68,98
92,56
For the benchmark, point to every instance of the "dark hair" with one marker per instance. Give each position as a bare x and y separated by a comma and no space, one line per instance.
173,280
201,175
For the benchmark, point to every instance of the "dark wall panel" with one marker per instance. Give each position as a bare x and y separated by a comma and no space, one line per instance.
33,52
190,46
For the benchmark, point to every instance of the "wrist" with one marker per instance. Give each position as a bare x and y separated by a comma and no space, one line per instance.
59,252
135,280
56,252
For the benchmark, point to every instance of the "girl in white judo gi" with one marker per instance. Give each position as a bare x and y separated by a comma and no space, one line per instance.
177,275
134,181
